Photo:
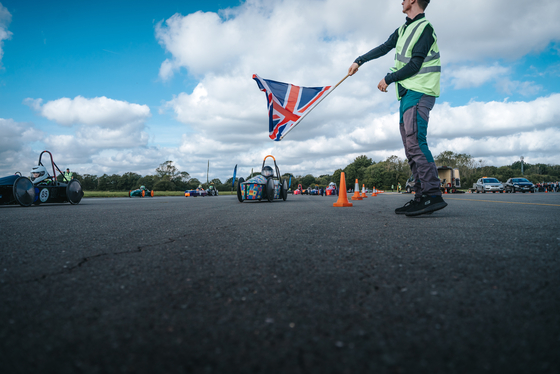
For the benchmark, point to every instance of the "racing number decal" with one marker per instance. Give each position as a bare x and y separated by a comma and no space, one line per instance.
44,195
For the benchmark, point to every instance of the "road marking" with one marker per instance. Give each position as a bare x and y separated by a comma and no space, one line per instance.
503,202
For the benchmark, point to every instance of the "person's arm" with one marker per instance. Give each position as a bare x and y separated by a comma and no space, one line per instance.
377,52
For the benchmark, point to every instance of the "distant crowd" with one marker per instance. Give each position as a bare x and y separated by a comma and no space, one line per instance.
547,187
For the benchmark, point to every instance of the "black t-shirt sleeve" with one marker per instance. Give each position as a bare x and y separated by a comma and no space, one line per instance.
382,50
419,53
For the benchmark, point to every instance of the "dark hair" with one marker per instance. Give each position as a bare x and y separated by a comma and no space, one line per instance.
423,4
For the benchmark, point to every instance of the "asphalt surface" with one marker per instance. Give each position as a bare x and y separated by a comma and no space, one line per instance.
209,285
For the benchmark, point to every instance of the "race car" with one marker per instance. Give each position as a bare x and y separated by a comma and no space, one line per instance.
316,191
141,192
299,190
267,185
40,187
198,192
331,189
211,191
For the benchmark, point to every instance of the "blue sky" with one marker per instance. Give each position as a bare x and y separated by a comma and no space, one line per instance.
112,87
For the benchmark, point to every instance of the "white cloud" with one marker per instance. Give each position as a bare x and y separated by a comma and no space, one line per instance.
5,19
475,76
312,43
226,113
99,111
101,124
15,150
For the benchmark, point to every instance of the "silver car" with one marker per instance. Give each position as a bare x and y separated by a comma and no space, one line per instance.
489,185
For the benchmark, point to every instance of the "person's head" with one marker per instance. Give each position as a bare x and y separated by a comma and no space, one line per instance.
414,7
39,174
423,4
67,169
267,171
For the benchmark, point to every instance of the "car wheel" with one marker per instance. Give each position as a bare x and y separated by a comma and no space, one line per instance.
239,187
24,191
408,189
270,190
74,192
284,190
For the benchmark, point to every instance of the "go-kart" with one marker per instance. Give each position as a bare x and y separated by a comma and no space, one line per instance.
141,192
331,189
316,191
211,191
198,192
269,185
16,189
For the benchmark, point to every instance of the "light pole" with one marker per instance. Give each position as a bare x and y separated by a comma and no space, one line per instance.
521,165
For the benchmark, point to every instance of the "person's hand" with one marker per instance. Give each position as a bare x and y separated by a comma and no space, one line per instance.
353,69
382,86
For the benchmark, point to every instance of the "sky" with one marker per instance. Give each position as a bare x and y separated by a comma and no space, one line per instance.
111,87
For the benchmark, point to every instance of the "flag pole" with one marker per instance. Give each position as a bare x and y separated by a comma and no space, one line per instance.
313,107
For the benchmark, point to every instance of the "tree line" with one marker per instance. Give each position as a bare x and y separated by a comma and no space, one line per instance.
381,174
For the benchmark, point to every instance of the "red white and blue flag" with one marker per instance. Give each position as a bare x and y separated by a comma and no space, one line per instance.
287,104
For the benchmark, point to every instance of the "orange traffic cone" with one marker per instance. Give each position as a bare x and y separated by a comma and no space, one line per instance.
342,198
357,192
364,196
374,192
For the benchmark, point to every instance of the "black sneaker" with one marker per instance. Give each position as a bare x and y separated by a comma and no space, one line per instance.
426,205
405,207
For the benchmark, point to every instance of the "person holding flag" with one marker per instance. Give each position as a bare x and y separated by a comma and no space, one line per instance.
417,78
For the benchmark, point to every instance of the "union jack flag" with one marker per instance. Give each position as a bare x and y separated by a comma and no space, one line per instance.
287,103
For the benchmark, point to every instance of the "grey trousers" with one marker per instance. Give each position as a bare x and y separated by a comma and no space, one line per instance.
414,115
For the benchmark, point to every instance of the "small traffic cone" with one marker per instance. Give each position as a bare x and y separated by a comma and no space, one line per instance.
357,192
342,198
374,192
364,196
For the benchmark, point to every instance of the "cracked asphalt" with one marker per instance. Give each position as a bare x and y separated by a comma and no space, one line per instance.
209,285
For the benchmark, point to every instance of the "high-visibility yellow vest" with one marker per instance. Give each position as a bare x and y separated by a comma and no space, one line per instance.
427,79
68,176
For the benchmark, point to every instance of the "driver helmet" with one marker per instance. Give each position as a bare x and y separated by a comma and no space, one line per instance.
267,171
332,184
39,174
142,187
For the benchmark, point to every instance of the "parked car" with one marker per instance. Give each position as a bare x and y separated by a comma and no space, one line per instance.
486,184
519,185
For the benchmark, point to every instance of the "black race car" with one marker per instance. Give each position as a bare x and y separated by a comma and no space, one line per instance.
40,187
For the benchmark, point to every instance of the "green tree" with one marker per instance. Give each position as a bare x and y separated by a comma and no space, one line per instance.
193,184
167,169
308,180
164,184
127,181
147,181
89,182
